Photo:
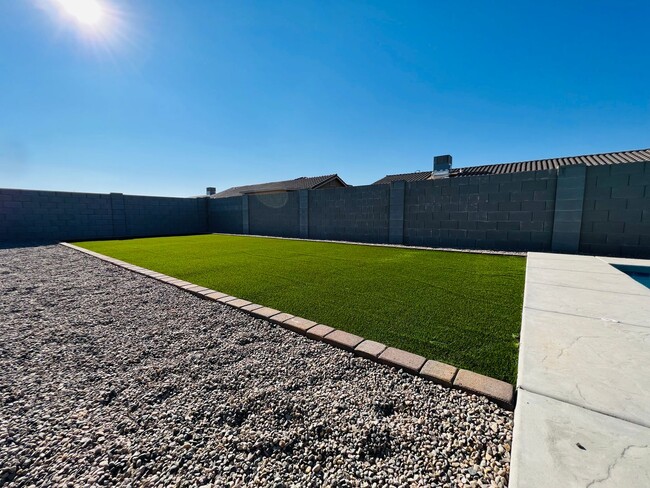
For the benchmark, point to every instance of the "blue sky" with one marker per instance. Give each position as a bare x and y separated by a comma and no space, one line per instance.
170,97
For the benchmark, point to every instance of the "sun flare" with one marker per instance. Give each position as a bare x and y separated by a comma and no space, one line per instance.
87,12
99,25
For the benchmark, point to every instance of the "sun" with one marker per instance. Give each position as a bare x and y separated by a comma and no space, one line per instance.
100,25
87,12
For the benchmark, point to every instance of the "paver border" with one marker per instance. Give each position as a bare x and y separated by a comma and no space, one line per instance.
500,392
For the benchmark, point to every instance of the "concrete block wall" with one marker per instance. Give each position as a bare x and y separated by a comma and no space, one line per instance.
161,216
616,211
502,212
602,210
48,216
569,198
27,215
359,213
225,215
396,212
303,200
274,214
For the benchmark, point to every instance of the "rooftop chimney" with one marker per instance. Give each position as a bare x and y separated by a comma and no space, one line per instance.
211,190
441,166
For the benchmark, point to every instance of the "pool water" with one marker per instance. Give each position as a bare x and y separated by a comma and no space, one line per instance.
643,278
642,275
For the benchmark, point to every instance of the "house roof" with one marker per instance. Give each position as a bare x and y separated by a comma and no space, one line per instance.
620,157
302,183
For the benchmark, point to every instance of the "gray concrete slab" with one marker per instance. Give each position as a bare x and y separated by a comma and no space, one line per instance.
583,408
619,282
559,444
609,306
555,256
626,261
603,366
588,264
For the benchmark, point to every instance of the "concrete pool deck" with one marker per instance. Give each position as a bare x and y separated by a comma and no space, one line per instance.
583,409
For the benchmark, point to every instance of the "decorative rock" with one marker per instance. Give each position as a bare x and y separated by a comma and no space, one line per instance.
215,397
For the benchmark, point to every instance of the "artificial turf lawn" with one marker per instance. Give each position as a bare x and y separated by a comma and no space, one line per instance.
459,308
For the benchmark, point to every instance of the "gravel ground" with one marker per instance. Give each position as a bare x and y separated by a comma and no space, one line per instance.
111,378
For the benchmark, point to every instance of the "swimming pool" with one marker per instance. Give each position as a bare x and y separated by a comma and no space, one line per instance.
640,274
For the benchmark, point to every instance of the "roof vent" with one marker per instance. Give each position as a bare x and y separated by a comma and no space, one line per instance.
211,190
441,166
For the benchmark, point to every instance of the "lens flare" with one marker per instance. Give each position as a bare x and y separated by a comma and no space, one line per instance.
103,27
87,12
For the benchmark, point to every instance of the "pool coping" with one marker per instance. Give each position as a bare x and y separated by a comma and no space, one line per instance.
583,385
500,392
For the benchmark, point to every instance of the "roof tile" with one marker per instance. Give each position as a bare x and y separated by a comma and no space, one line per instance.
302,183
535,165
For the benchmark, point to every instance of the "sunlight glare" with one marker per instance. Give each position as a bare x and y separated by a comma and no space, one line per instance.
88,12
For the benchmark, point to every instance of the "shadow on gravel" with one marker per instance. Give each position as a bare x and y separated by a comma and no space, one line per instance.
15,245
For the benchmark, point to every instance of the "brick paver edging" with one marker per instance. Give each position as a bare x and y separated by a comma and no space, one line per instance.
500,392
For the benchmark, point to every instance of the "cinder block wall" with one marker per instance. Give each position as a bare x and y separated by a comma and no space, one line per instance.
603,210
275,214
504,212
225,215
595,210
357,213
49,216
162,216
27,215
616,210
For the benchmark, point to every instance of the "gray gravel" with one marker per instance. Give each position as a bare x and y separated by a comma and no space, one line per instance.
111,378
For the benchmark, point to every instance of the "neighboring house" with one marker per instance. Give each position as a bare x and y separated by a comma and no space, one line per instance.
302,183
442,166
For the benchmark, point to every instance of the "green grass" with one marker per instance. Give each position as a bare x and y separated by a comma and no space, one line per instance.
459,308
